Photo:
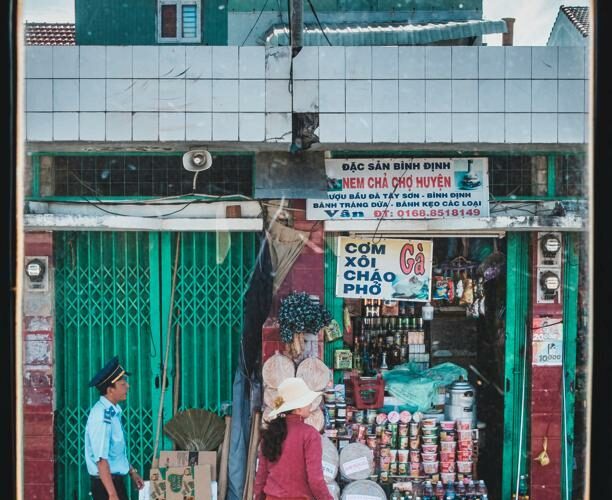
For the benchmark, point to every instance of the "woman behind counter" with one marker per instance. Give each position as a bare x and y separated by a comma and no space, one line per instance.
290,453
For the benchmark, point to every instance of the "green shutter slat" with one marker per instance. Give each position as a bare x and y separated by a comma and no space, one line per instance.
570,332
333,303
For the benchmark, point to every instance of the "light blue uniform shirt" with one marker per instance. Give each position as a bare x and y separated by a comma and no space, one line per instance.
104,438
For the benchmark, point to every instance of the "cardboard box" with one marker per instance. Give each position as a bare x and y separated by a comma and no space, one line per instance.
186,458
157,480
189,483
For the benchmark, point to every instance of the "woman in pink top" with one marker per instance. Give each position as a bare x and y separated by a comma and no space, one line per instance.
290,455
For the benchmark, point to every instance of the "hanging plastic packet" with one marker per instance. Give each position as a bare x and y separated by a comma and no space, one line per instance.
440,288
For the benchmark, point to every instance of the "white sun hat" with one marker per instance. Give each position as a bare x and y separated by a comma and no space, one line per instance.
293,393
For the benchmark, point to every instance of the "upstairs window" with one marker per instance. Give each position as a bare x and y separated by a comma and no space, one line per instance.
179,20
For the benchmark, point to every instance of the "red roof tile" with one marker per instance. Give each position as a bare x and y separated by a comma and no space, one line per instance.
49,34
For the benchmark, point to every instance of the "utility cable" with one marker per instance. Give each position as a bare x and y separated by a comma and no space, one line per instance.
255,23
318,22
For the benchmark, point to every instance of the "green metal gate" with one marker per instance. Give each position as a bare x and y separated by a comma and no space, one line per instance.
113,294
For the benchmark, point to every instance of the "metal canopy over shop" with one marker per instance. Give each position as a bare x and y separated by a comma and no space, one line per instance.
356,34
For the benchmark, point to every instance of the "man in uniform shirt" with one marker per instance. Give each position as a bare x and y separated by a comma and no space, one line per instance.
105,450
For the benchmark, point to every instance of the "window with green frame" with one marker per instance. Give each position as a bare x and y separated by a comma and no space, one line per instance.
142,175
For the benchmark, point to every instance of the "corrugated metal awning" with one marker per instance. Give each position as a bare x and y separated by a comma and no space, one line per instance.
386,33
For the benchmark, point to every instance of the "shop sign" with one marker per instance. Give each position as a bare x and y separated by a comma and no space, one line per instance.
403,188
547,342
385,268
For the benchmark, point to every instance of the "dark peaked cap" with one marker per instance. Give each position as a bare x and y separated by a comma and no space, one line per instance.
111,372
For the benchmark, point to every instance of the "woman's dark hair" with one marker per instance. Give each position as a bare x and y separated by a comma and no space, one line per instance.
272,438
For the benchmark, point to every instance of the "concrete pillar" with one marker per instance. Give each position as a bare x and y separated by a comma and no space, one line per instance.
38,383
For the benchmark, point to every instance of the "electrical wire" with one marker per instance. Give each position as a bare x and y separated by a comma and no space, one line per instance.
255,23
318,22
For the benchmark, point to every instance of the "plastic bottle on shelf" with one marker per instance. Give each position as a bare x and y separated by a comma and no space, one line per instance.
428,491
460,489
439,491
481,488
522,491
450,491
396,495
470,491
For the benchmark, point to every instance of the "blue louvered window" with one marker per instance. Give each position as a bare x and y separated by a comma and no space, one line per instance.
190,21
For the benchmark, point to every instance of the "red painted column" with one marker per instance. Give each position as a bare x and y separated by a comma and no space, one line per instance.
306,275
546,385
38,385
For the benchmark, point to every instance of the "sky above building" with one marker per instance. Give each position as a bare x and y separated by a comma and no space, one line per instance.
534,18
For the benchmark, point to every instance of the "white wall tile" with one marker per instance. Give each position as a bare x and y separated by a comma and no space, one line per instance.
331,63
331,96
587,129
278,98
358,62
198,95
411,62
571,127
118,94
438,127
65,126
438,96
571,62
491,127
332,127
65,94
198,59
171,95
587,95
225,126
39,126
92,61
252,62
118,126
544,96
172,126
66,61
252,127
118,61
384,63
278,127
437,62
252,95
491,62
305,96
92,94
518,127
39,95
490,96
358,96
172,61
39,61
411,95
92,126
544,62
465,95
544,127
518,96
198,126
145,126
385,127
464,62
412,127
145,61
224,62
358,127
465,127
385,96
571,96
225,95
518,62
306,64
278,62
145,95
